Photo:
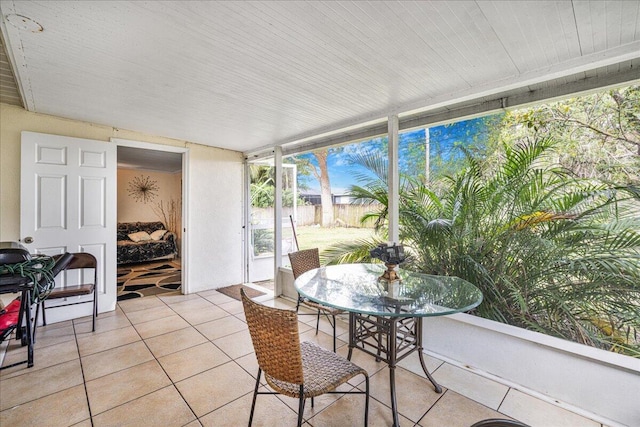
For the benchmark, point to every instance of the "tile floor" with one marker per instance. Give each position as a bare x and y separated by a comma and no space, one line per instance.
187,360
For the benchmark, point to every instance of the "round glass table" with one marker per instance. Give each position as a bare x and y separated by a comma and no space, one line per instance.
385,318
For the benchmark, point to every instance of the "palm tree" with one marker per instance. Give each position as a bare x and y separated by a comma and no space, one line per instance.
550,252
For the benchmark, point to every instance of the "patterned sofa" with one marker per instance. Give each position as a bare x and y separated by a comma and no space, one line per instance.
129,251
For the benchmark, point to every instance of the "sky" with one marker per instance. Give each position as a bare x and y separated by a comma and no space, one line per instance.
443,140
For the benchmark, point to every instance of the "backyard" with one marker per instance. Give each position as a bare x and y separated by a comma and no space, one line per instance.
321,238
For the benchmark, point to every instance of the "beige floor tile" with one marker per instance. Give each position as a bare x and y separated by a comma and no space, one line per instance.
164,408
114,360
270,411
414,394
482,390
283,303
123,386
161,326
538,413
455,410
193,360
136,304
250,364
193,304
412,363
203,314
54,333
97,342
85,423
64,408
233,307
175,297
235,345
215,297
150,314
362,359
215,388
349,411
34,385
103,324
321,402
222,327
195,423
172,342
42,358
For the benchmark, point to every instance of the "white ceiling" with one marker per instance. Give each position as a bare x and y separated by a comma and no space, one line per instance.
250,75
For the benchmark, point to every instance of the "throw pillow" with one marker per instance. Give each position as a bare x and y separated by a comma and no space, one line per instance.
139,236
157,235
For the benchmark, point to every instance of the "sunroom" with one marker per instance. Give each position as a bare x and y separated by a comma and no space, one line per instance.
221,85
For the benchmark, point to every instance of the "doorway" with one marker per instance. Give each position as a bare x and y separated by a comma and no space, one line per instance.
151,183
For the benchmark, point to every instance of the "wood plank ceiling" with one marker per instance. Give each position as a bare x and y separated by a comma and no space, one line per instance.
249,75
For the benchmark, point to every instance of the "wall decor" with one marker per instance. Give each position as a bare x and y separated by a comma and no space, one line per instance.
143,189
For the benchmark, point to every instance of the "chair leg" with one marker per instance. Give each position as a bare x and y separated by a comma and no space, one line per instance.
44,315
366,402
318,322
35,322
95,309
255,394
301,406
334,333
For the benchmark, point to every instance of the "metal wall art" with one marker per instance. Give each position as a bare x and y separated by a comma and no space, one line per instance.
143,189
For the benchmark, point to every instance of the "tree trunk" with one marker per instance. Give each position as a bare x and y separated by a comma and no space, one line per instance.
325,188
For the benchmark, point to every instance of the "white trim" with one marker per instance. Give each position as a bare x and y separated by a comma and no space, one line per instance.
184,247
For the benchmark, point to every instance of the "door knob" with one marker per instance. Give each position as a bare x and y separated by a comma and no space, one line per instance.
28,240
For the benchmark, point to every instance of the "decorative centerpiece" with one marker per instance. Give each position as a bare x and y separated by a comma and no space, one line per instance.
392,256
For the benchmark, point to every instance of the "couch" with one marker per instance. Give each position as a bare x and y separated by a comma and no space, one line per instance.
144,241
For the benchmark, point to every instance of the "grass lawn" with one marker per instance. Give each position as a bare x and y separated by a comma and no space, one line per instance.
321,238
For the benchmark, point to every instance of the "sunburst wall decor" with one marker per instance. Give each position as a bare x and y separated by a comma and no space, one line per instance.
143,189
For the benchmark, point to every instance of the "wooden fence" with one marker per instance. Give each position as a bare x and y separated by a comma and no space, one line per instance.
344,215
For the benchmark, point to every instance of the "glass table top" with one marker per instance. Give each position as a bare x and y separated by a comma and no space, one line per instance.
357,288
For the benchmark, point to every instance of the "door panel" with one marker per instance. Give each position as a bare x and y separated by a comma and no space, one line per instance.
68,194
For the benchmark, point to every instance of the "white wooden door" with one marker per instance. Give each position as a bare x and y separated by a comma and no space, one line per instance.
68,204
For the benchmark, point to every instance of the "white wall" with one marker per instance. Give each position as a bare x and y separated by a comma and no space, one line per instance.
214,192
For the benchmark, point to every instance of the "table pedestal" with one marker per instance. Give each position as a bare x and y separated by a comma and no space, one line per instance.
390,339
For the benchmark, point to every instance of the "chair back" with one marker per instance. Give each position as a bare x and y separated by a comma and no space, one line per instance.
274,333
82,260
303,261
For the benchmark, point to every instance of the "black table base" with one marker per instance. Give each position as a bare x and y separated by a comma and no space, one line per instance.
388,339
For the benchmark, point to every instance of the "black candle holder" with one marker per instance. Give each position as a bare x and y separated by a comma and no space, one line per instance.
392,256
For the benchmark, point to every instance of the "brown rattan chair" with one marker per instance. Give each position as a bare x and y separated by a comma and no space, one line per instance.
294,369
80,260
301,262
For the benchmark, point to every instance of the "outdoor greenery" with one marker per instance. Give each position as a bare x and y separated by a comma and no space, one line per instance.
545,221
263,187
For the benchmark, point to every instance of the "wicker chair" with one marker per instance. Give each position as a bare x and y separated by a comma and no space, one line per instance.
294,369
301,262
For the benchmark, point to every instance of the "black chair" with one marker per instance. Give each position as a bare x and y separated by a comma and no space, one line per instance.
301,262
79,260
499,422
30,290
